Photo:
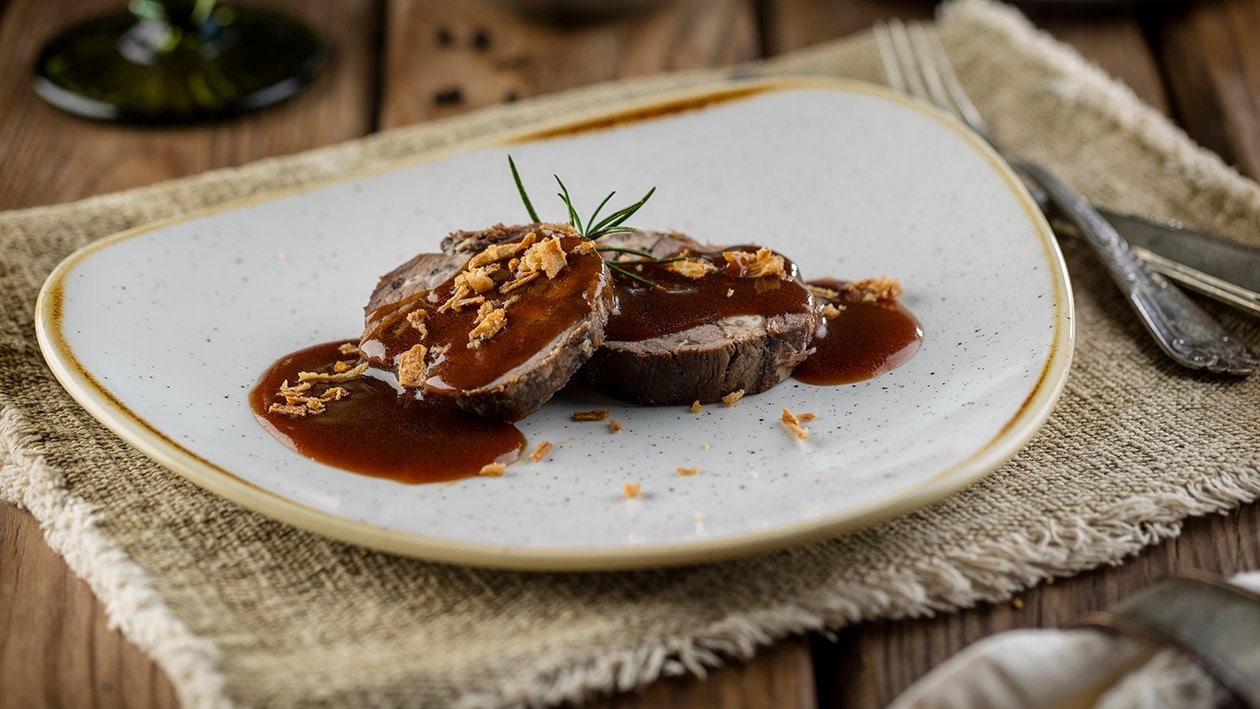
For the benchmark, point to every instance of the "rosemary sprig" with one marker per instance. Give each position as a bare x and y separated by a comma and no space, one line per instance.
651,261
614,223
529,206
647,258
574,220
630,274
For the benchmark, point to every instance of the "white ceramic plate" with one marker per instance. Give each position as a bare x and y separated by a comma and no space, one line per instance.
161,331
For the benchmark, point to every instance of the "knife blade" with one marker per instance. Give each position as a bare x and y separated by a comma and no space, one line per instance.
1205,263
1216,267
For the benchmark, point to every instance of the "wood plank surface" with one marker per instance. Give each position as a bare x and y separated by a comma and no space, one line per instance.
1118,46
778,677
446,58
64,158
793,24
55,648
1211,57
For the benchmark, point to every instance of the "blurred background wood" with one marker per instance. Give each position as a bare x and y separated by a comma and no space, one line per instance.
401,61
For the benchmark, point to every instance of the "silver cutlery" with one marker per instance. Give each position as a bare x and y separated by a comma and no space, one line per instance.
915,63
1218,268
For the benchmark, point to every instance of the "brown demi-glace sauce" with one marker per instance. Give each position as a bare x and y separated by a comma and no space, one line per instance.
865,340
377,432
548,306
681,303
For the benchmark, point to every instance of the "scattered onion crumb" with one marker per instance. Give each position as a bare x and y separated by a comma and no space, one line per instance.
519,282
759,264
348,348
492,470
830,311
593,415
871,290
298,398
824,293
614,425
546,256
696,407
688,471
692,268
416,319
793,424
412,369
733,397
805,417
632,489
338,377
542,451
490,320
730,292
707,445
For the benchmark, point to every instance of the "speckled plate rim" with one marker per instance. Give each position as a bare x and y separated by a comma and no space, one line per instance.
1004,444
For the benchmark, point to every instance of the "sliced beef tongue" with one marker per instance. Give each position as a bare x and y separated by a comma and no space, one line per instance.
496,328
467,243
421,273
723,320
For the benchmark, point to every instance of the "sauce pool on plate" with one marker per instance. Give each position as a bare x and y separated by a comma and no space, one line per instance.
375,431
865,340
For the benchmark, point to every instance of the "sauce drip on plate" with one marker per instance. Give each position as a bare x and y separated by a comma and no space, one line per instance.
680,303
865,340
377,432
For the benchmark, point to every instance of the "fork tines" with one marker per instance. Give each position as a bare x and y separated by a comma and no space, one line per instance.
915,63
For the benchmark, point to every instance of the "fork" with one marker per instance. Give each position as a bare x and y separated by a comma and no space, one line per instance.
915,63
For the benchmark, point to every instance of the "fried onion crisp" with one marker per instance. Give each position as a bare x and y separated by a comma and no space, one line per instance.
872,290
492,470
793,424
411,366
763,262
547,256
490,320
300,401
542,451
691,268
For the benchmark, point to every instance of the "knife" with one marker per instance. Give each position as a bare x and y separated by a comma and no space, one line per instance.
1212,265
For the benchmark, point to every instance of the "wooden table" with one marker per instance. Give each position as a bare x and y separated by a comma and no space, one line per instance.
401,61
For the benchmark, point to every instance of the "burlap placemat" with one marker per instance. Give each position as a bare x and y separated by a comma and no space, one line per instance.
238,608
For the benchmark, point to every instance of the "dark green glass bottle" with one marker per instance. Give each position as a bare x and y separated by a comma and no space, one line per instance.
177,61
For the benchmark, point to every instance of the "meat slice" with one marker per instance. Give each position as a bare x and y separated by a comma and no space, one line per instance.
423,272
467,243
497,330
713,327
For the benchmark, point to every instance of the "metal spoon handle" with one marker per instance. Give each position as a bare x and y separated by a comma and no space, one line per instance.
1185,331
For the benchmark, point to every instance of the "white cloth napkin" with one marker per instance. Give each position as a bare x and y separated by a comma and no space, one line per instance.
1068,668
